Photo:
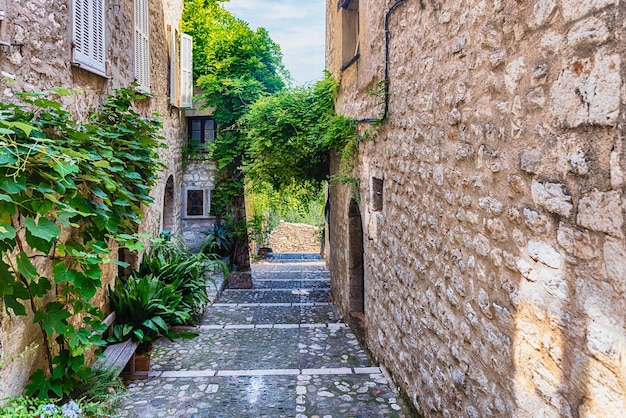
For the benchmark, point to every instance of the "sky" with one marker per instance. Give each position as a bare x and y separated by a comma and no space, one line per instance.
298,26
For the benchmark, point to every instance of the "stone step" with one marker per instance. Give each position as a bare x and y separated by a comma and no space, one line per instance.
264,314
268,296
293,257
291,284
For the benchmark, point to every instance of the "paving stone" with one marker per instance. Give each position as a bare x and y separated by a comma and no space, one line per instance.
277,350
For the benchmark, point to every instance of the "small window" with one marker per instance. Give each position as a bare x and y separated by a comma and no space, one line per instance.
88,35
142,45
196,203
201,131
349,32
377,194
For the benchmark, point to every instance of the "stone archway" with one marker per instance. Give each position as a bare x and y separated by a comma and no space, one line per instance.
355,261
168,205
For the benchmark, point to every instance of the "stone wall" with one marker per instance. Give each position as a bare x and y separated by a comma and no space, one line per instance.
295,238
198,174
495,271
42,33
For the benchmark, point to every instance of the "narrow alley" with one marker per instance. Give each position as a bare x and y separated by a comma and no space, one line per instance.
276,350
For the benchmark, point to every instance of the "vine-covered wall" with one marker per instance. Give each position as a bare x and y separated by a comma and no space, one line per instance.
41,35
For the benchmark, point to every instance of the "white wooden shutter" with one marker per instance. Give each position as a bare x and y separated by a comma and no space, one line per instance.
88,35
186,70
142,45
174,67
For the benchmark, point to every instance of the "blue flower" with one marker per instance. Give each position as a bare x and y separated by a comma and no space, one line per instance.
71,410
49,409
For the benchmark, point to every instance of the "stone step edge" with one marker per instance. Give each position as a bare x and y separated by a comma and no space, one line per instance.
323,279
265,289
269,304
265,372
329,325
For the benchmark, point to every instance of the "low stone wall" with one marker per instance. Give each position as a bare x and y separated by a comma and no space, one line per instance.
295,238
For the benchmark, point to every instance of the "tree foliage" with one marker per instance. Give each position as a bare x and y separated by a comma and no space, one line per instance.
234,66
67,191
290,135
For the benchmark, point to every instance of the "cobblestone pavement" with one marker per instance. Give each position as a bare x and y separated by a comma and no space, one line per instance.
277,350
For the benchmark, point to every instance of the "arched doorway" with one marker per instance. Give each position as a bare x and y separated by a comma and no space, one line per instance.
168,205
355,262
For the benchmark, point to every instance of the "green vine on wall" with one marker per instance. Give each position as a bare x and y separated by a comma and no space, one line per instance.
70,192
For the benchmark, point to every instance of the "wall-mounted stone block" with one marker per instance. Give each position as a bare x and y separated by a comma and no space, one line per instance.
577,243
601,211
552,197
590,31
587,91
575,9
545,253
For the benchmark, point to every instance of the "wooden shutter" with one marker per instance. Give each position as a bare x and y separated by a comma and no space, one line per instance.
142,45
174,68
186,70
88,35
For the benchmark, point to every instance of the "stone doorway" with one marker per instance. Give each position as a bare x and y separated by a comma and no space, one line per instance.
168,205
355,262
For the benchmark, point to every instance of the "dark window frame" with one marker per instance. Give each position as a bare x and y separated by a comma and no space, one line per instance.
204,204
201,141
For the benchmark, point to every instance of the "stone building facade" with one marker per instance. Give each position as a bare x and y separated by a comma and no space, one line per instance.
485,249
43,44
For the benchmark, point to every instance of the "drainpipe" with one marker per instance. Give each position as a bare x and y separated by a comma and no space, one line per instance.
386,79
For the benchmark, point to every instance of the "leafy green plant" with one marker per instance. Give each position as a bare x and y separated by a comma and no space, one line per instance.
291,133
25,407
144,307
100,392
234,66
216,241
67,191
189,273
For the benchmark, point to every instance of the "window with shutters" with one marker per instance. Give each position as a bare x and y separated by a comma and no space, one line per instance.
349,32
186,70
174,67
181,68
3,23
142,45
88,40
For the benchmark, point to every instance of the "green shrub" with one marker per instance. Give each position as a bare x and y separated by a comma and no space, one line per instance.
189,273
144,307
170,288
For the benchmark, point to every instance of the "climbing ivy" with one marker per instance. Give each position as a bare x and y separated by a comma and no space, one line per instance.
69,193
290,134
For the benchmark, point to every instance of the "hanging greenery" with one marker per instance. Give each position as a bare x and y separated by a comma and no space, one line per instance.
291,133
69,193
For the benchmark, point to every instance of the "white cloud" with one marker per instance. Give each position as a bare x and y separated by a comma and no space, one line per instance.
297,26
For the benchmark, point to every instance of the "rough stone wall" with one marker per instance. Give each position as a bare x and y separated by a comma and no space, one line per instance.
295,238
495,273
199,174
44,32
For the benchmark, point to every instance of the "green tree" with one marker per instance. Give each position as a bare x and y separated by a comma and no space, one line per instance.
234,66
290,135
